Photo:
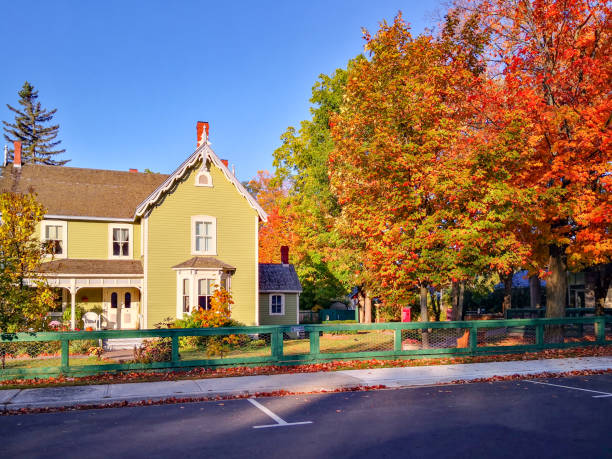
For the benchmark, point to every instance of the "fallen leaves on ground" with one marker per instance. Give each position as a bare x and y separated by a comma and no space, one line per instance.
222,372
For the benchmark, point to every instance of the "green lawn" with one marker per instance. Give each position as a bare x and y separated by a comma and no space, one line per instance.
365,341
51,362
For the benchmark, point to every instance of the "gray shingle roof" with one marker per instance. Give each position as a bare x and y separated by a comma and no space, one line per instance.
278,278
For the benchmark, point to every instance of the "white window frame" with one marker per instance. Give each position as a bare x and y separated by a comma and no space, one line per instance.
64,225
194,276
204,219
282,296
130,228
204,172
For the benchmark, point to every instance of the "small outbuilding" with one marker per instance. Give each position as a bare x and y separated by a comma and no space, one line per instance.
279,292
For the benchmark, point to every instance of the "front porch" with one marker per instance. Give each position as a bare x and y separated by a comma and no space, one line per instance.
112,289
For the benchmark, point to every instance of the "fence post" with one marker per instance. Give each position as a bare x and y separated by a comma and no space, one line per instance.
397,342
175,349
277,343
600,329
539,335
314,343
65,355
473,339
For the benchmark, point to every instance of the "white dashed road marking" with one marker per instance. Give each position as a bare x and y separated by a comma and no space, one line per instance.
280,421
604,394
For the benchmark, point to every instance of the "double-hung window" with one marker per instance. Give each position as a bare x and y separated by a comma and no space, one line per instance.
205,292
120,241
185,295
277,304
204,235
54,235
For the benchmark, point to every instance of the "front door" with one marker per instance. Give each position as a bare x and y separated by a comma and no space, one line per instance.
121,308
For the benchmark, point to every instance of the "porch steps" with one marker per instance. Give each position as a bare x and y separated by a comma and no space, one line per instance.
118,344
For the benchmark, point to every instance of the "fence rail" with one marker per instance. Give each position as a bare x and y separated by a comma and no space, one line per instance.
529,313
67,352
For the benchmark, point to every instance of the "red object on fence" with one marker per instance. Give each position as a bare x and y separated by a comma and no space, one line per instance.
406,314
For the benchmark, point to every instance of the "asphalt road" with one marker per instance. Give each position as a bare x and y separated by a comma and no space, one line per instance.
503,419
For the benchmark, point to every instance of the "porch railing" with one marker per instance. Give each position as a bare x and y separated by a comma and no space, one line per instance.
47,354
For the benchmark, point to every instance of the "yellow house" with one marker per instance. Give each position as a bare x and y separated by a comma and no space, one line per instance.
141,247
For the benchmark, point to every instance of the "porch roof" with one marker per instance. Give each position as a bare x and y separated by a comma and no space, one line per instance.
85,267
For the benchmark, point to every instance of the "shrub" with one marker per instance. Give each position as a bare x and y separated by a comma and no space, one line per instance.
82,346
154,350
337,322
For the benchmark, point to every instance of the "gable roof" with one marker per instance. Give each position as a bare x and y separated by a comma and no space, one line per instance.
204,153
278,278
106,194
78,192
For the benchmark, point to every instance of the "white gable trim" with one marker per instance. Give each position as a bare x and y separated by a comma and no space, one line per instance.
204,153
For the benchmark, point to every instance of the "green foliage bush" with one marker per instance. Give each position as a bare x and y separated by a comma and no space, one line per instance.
338,322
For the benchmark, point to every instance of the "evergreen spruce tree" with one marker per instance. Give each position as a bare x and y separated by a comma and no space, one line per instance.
37,139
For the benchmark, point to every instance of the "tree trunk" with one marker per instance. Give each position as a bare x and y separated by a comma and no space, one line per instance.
435,304
556,292
457,293
424,315
368,309
361,303
535,293
507,303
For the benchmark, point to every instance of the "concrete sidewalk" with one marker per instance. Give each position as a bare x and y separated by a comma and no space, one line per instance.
297,382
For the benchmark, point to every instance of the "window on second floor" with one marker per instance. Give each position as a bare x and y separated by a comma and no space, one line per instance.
120,241
204,235
54,235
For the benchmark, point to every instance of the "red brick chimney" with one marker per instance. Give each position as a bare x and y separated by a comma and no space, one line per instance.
133,170
226,162
17,154
285,255
202,129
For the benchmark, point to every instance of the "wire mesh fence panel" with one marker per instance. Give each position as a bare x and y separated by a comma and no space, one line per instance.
506,336
84,352
234,346
30,354
296,343
335,342
436,338
576,333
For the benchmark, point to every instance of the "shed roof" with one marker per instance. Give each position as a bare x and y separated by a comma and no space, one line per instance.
278,278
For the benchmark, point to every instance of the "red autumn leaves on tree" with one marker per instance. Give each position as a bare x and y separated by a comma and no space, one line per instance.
276,232
486,148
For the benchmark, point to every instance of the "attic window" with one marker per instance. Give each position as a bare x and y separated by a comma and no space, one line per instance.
203,178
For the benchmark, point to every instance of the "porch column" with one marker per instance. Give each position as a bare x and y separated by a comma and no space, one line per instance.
73,305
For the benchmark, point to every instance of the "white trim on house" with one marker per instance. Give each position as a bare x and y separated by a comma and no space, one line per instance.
79,217
212,250
194,276
204,173
145,267
203,153
130,228
282,313
62,224
298,308
256,271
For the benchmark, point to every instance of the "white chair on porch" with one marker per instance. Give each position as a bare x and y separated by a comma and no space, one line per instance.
91,319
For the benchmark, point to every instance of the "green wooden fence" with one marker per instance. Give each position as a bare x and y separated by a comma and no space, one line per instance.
283,345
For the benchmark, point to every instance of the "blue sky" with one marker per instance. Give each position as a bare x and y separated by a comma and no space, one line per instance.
131,78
